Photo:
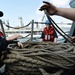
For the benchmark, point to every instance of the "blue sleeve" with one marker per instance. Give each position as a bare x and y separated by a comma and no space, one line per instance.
2,37
13,41
55,34
43,35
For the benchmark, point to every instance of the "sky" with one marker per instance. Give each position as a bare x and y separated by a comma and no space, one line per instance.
28,10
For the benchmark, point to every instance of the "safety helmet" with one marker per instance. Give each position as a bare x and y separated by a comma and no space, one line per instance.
47,22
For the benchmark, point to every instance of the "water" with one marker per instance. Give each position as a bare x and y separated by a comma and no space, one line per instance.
37,37
59,39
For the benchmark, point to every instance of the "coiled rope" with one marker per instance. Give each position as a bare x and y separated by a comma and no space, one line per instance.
45,58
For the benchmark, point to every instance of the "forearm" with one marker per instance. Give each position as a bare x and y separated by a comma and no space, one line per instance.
15,41
13,37
68,13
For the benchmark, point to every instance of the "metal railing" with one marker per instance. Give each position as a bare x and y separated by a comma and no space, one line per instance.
30,23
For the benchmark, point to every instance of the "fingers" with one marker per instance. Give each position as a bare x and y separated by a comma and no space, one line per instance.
45,6
46,2
20,44
73,39
51,9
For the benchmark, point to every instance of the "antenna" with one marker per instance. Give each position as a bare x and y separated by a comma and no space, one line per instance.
21,21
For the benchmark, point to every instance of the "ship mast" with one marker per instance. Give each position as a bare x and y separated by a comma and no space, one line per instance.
21,21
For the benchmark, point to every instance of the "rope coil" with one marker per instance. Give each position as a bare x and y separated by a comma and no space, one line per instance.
36,58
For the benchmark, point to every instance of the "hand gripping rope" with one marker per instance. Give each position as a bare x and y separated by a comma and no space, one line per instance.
57,28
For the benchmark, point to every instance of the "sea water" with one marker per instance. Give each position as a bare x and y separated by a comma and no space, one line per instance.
65,28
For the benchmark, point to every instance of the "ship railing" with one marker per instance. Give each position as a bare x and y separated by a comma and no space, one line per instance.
30,23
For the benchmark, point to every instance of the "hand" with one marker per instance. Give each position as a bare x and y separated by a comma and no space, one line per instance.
41,40
73,39
20,44
51,9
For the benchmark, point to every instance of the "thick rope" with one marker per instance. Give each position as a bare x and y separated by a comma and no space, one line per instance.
45,58
16,27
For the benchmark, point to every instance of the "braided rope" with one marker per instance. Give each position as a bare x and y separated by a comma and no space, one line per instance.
39,58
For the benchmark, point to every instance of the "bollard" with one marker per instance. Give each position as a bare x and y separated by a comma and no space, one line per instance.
32,30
